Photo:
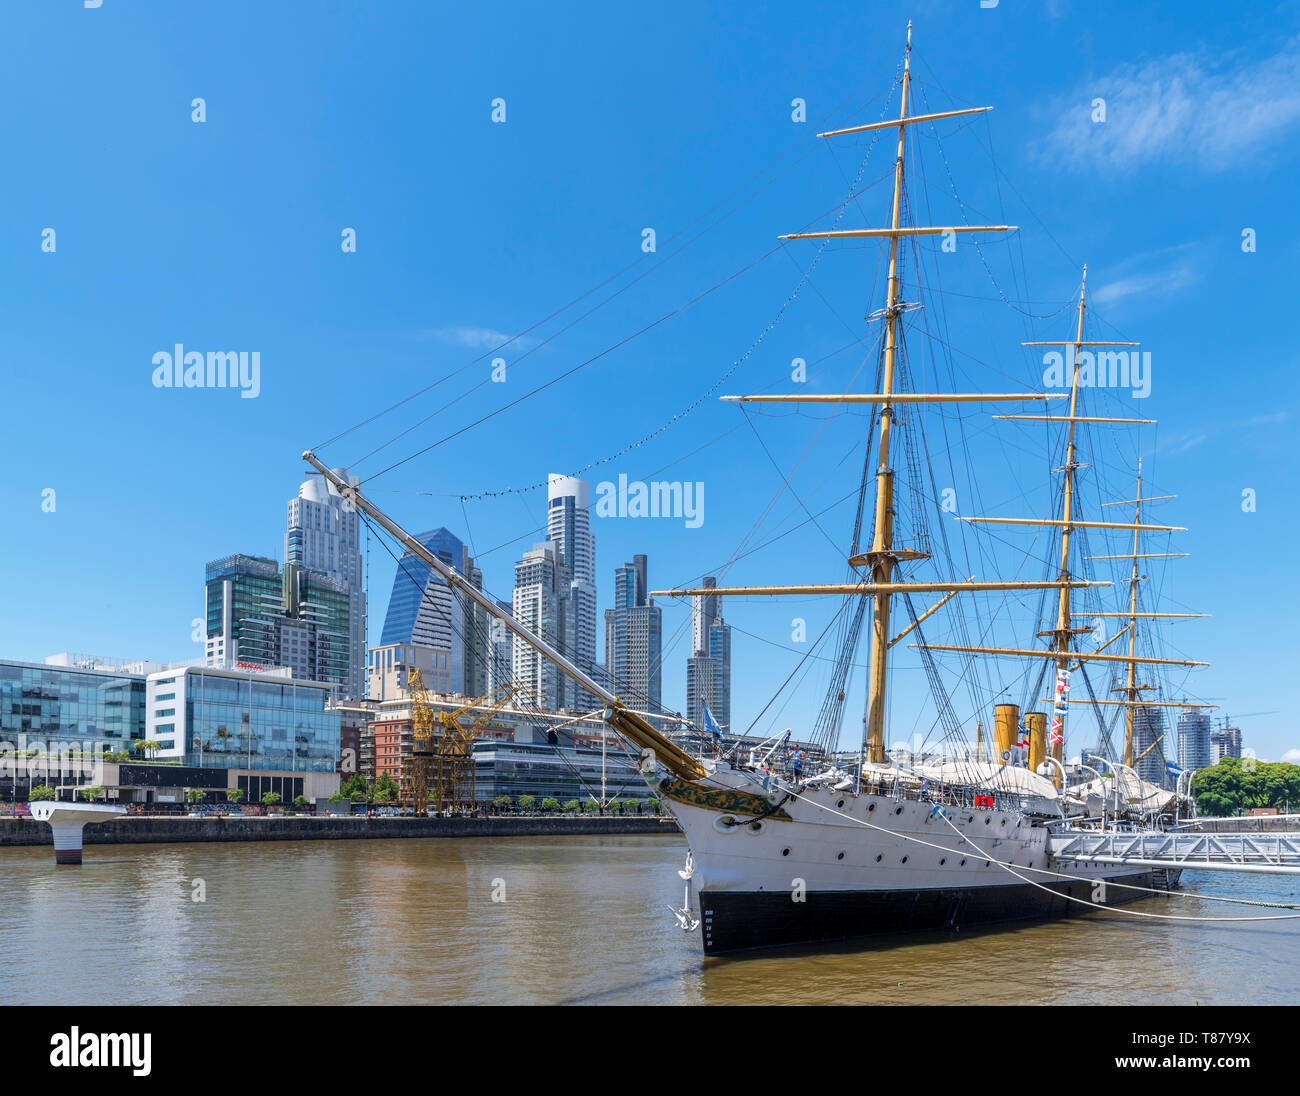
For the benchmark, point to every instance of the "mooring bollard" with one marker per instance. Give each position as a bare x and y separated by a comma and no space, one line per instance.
67,820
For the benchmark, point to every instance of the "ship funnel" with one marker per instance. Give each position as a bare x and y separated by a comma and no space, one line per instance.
1006,724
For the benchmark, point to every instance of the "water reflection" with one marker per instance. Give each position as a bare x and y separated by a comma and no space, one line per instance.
556,920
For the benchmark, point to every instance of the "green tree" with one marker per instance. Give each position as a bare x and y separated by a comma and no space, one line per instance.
196,795
528,802
40,792
1238,784
550,803
91,794
501,803
652,805
148,747
632,806
572,806
615,805
234,795
270,799
590,806
300,801
385,788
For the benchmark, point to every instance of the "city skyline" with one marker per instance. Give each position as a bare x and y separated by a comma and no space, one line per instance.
254,266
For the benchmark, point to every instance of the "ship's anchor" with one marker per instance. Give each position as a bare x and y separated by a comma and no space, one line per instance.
686,919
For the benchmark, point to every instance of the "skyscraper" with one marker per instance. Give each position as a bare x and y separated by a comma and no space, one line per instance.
1193,739
1225,742
633,638
1149,758
423,610
708,670
536,606
259,617
324,535
568,528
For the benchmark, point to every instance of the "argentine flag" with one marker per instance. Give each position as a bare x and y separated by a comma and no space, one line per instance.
711,724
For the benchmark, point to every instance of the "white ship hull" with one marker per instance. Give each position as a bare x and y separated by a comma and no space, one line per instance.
778,869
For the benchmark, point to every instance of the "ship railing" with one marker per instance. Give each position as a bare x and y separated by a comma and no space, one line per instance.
951,795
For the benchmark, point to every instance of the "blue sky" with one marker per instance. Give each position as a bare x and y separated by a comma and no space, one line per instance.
225,235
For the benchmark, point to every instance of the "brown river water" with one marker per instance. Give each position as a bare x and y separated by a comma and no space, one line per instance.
564,920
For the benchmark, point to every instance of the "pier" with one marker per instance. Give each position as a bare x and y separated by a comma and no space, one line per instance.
66,821
1272,853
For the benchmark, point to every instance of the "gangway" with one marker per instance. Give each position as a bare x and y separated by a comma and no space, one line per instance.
1273,853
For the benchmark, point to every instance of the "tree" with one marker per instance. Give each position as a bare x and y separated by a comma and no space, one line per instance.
615,805
632,806
652,805
338,796
40,792
550,803
91,794
300,801
356,787
1238,784
501,803
148,747
234,795
385,789
591,806
572,806
528,802
196,795
270,799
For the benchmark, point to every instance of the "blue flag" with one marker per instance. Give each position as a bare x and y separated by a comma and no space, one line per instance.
1172,769
711,724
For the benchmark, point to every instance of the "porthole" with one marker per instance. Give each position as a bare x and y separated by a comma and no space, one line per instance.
986,821
785,852
942,861
963,861
898,810
870,807
1004,821
904,860
840,803
879,858
840,857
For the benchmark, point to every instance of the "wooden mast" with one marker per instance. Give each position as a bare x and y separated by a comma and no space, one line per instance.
1061,640
880,558
1131,690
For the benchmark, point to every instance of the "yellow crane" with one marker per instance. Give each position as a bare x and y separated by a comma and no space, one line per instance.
440,769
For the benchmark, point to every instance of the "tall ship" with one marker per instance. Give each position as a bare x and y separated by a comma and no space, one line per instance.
959,831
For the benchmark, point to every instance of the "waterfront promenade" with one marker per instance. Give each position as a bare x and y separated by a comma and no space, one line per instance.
170,829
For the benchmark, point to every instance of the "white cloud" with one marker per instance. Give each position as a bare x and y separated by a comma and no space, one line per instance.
1293,756
1154,273
1186,108
478,338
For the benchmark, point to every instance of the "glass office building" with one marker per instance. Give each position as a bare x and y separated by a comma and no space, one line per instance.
211,718
565,772
64,703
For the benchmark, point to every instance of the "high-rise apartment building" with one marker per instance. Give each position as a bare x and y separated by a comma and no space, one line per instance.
1148,748
536,606
708,670
324,535
634,638
568,528
1193,739
1225,742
